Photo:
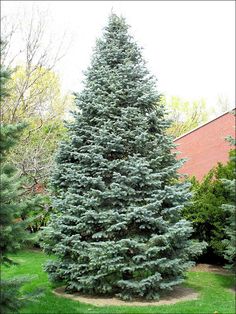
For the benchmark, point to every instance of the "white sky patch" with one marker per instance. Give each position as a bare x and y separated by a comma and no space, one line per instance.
189,45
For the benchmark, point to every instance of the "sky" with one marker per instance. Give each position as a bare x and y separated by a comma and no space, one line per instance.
188,45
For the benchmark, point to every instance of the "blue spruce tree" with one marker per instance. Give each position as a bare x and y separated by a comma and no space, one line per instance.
12,233
118,228
230,208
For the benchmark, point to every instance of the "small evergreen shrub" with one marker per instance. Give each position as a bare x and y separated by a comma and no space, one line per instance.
206,212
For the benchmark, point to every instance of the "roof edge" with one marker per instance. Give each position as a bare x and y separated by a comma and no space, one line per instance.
200,126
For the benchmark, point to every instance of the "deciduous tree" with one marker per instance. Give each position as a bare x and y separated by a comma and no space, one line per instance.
185,115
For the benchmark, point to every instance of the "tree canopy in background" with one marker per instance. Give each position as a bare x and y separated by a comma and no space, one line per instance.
36,95
35,98
185,115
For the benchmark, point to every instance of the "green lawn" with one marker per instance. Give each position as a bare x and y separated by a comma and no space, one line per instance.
213,289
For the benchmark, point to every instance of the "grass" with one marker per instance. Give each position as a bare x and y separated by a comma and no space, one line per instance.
215,295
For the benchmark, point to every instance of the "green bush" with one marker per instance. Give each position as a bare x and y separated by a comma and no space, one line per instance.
206,212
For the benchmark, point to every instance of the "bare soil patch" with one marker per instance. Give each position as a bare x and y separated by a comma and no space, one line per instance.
211,268
177,295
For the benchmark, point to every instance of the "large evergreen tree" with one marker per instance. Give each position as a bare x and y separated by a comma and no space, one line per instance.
11,229
118,229
12,204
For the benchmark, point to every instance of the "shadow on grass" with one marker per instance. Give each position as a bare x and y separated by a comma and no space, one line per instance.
226,282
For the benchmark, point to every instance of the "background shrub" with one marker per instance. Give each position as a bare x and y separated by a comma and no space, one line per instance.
206,212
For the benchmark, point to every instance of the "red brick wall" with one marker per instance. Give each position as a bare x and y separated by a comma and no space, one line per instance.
206,146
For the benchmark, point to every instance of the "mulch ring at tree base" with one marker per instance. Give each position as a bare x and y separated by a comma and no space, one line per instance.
211,269
178,294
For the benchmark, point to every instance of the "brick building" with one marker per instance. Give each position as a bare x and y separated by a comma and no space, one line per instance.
206,145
